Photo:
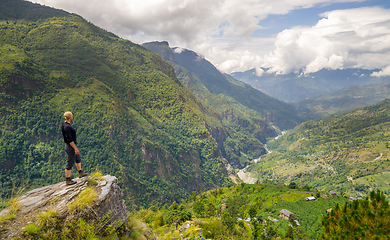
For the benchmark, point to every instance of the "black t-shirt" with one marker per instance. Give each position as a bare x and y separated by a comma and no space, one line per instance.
69,133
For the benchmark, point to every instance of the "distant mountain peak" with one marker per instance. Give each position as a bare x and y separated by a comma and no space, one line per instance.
295,87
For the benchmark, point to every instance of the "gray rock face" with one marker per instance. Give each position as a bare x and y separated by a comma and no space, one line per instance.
57,198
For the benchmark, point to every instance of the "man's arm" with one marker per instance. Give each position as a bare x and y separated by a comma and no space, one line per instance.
74,147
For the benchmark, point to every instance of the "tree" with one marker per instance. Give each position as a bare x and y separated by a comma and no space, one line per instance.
361,219
252,211
293,185
210,208
289,233
198,208
227,220
256,227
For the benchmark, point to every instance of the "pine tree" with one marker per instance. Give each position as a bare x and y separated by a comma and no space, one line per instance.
361,219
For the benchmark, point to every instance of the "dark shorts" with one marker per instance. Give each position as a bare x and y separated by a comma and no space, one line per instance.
72,157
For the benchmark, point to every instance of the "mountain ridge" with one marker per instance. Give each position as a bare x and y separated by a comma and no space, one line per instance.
296,87
133,118
344,100
239,107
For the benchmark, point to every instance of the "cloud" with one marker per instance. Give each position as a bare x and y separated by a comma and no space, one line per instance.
259,71
181,20
382,73
353,38
178,50
221,30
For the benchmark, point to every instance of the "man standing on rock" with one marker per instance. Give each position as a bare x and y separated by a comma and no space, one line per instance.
69,134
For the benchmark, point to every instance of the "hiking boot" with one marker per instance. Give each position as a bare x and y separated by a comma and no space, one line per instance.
82,174
69,181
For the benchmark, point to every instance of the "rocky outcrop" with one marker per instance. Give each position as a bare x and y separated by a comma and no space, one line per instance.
58,197
232,173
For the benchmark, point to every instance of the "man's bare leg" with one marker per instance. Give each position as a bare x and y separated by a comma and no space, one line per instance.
78,166
81,173
67,173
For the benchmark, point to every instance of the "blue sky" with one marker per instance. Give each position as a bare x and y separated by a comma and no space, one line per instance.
274,24
236,35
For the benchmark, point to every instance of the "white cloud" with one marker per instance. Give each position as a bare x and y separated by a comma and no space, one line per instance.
259,71
221,31
342,39
178,50
334,62
382,73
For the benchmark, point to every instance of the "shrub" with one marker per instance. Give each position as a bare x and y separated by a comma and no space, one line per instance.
159,220
48,219
13,207
97,175
32,229
153,208
83,200
177,216
198,207
293,185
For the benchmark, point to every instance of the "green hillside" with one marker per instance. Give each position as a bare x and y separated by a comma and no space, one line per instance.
246,117
133,118
348,153
245,211
365,219
345,100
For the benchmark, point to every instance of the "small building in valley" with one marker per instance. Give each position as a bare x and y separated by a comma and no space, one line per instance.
310,198
333,193
352,199
286,214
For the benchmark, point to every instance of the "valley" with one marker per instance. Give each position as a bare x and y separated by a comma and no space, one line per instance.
188,144
346,152
247,116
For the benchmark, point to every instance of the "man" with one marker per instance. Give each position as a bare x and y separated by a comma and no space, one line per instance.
69,134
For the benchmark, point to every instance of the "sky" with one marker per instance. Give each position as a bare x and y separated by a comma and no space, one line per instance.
284,36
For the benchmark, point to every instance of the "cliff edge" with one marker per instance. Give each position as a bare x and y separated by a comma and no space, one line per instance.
97,200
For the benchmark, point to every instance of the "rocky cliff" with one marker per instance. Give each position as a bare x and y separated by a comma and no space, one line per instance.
96,200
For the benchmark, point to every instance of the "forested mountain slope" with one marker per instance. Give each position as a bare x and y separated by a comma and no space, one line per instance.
247,117
133,118
348,152
344,100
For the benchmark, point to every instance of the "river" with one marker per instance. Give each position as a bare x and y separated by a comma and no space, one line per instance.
246,176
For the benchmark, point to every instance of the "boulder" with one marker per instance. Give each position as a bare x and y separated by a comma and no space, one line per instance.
58,197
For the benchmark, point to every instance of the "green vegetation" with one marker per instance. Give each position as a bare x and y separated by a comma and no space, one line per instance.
347,153
47,219
49,226
97,175
134,119
13,207
224,213
10,55
241,117
84,199
345,100
364,219
32,229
